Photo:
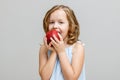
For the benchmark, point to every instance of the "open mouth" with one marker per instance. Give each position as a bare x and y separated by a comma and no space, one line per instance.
59,32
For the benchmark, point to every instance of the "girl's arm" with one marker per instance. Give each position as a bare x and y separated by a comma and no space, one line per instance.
72,71
46,64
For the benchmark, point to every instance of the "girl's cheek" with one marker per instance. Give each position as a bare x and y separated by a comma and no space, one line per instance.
49,27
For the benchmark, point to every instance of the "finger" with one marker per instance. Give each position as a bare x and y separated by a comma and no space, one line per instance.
45,41
53,41
55,38
50,46
61,39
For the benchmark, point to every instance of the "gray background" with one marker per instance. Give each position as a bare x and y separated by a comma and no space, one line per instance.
21,34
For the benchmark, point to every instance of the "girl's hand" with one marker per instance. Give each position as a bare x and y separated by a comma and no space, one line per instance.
58,45
48,46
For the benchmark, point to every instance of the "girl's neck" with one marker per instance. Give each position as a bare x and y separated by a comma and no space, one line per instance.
65,41
66,44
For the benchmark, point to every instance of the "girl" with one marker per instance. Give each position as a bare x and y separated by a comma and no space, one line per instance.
65,59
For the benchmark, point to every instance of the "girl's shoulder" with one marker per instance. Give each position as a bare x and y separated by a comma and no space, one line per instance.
78,45
42,48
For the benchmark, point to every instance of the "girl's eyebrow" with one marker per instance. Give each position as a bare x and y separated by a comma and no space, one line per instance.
51,20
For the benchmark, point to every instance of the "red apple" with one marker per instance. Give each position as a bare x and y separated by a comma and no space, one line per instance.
50,34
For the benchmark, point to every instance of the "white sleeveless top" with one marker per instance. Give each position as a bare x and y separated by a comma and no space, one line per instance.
57,72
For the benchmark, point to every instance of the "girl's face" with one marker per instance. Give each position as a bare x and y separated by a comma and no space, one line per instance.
58,20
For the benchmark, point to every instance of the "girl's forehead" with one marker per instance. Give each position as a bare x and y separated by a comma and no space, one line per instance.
58,14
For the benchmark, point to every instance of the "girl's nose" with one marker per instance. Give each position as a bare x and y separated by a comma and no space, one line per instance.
56,25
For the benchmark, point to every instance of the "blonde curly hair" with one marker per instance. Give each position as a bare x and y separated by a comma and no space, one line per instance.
74,28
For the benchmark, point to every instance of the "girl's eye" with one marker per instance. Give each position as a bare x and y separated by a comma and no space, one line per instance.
51,22
61,22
